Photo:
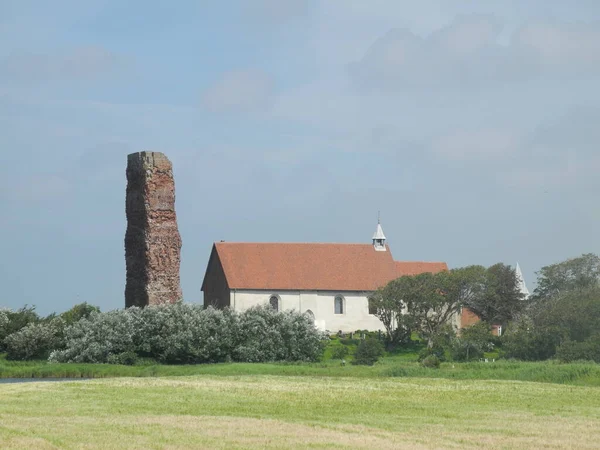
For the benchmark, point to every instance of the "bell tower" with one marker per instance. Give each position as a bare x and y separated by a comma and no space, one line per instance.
379,237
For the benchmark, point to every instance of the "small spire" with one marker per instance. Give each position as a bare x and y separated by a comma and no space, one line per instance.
378,236
521,282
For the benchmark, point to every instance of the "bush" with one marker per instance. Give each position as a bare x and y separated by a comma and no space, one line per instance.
35,340
264,334
125,358
368,352
472,343
189,334
431,362
339,352
588,350
16,320
527,342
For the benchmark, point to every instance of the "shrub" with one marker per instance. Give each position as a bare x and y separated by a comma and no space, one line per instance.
588,350
339,352
77,312
368,352
472,342
125,358
15,320
94,339
431,362
35,340
189,334
528,342
264,334
186,333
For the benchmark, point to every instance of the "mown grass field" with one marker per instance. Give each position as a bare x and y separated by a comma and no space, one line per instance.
266,411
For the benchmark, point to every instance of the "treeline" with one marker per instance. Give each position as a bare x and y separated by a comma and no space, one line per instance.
175,334
560,320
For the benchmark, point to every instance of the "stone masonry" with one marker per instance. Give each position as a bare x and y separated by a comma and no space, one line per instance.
152,240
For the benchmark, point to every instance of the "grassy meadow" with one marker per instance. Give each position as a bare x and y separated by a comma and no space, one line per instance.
394,366
267,411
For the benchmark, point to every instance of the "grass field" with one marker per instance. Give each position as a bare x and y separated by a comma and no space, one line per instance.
584,374
264,411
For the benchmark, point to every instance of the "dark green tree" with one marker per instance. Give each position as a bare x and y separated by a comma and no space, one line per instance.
498,298
573,274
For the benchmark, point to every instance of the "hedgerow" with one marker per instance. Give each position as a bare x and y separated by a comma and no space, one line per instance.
189,334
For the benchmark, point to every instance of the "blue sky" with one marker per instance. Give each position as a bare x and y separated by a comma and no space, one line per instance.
472,126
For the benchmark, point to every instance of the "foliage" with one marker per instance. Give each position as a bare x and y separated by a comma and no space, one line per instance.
472,342
431,362
35,340
528,342
368,352
570,275
497,298
340,352
588,350
386,303
15,320
77,312
125,358
267,335
188,334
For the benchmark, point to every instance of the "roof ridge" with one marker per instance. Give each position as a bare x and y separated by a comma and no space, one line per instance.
293,243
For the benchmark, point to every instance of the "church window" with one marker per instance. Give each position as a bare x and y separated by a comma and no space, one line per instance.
274,302
310,314
339,304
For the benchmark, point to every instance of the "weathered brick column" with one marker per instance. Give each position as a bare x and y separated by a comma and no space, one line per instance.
152,240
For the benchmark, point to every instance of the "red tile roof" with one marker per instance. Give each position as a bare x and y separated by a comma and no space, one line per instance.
417,267
327,267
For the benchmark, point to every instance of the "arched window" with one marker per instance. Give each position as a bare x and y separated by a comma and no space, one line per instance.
339,304
274,302
310,315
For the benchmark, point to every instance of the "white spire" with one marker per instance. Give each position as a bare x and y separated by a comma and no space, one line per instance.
379,237
521,282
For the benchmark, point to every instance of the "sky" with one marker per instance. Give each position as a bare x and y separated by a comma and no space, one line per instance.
473,127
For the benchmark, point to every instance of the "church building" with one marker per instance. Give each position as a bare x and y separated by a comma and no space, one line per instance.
329,282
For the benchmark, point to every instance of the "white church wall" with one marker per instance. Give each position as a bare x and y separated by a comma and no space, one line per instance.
355,314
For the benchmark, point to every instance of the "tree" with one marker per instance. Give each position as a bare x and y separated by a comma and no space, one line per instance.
425,302
573,274
386,303
498,298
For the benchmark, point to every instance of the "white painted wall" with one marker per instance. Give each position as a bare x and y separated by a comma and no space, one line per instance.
356,307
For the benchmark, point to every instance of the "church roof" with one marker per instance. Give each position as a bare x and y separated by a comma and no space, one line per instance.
307,266
417,267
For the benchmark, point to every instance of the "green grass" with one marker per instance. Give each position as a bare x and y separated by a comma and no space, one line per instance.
400,365
265,411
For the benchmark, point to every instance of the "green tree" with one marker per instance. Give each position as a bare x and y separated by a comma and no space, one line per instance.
425,302
498,298
573,274
387,304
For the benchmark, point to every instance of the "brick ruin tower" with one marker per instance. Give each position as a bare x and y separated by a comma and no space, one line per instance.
152,240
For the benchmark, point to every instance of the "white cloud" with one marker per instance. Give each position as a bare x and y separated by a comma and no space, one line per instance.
240,91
